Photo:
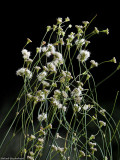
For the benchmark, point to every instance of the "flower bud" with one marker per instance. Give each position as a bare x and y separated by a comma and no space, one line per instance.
106,31
59,20
48,28
113,60
102,123
67,19
96,31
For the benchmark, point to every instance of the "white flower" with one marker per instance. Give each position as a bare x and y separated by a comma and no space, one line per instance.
48,54
28,61
93,63
77,99
76,92
40,95
80,42
71,37
54,27
29,96
55,102
83,55
67,88
106,31
61,41
93,149
48,28
85,22
41,140
59,106
51,67
91,144
67,19
58,136
25,54
80,87
45,68
106,158
66,76
102,123
36,99
20,72
57,55
37,68
58,62
58,59
42,117
57,92
77,108
59,20
46,92
64,108
113,60
28,73
30,158
60,149
44,49
80,83
32,137
31,153
70,26
102,111
42,75
45,84
24,72
50,126
96,30
85,107
39,147
82,153
62,79
63,73
42,132
38,49
54,148
51,48
65,95
54,84
92,137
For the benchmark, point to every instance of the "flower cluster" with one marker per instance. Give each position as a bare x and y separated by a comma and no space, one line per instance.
24,72
62,97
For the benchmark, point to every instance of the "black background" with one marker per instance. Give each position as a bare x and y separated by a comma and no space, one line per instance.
22,20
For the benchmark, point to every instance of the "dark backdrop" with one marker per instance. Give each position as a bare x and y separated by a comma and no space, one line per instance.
29,20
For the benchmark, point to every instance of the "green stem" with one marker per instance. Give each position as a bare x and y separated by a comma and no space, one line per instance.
106,78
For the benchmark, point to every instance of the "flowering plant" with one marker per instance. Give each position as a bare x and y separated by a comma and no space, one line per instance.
61,105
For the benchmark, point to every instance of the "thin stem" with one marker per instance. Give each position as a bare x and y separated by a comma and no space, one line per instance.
106,78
